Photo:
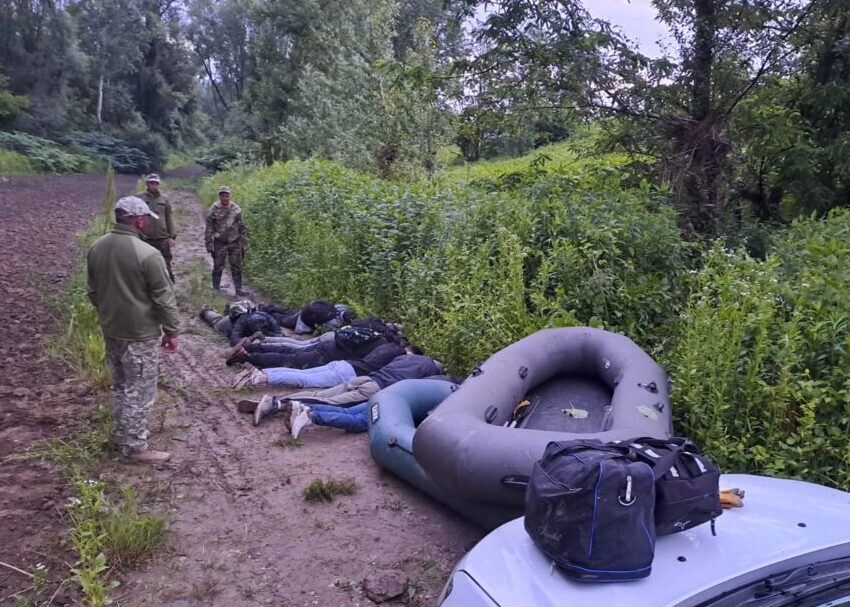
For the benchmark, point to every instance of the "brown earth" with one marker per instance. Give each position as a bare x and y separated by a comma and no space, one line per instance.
241,531
41,216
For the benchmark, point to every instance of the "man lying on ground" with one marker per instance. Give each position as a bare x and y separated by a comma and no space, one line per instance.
280,343
316,314
324,376
242,320
342,347
353,394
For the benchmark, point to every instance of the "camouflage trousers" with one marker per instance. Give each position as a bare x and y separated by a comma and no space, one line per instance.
134,366
231,252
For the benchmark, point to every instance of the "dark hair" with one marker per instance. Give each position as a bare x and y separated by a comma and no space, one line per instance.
415,349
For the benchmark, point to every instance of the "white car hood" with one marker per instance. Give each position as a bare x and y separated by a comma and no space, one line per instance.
781,522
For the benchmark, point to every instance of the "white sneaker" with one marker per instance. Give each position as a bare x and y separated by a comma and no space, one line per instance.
268,404
301,420
295,407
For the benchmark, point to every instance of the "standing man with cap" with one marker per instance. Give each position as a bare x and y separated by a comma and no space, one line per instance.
226,239
129,286
160,233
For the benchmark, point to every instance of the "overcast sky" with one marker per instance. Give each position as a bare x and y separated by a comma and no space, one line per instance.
635,17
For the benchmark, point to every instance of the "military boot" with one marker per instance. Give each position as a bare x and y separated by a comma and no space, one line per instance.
216,281
237,284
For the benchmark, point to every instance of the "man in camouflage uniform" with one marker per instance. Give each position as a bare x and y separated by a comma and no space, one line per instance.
226,239
128,284
160,233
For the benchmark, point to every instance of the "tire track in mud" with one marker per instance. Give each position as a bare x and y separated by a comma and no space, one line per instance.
241,532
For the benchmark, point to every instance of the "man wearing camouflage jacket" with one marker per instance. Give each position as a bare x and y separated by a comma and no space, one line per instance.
226,239
160,233
128,284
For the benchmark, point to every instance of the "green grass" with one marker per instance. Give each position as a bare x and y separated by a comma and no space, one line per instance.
130,536
179,158
287,442
324,490
199,291
13,163
559,156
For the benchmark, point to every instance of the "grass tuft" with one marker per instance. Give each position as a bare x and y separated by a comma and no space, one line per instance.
129,535
324,490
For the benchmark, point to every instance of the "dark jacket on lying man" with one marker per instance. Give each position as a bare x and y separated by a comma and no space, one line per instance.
321,354
249,323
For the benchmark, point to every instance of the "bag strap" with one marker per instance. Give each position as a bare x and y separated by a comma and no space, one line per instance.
662,462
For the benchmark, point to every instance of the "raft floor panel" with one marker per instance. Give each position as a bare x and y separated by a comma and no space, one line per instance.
559,403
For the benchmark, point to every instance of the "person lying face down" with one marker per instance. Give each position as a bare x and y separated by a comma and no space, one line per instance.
242,320
321,353
364,330
362,387
327,375
316,314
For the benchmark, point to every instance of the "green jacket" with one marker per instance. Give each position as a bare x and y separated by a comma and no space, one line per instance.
129,286
164,226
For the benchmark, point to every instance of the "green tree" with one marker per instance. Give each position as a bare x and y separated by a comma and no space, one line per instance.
10,105
114,51
39,50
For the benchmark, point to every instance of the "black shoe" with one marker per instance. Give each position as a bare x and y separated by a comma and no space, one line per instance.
235,360
204,310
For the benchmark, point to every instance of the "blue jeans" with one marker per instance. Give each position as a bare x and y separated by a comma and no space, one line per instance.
334,373
350,419
297,344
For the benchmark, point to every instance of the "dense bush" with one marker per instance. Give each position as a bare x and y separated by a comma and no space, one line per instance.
123,157
45,155
13,163
228,151
467,268
760,368
757,347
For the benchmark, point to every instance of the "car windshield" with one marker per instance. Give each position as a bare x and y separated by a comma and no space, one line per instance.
823,584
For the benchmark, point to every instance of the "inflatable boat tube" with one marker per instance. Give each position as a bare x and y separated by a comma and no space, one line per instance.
579,383
394,413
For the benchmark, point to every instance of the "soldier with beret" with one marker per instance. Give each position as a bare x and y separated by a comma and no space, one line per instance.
226,239
128,284
160,233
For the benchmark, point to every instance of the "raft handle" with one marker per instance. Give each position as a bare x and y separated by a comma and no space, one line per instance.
477,371
515,481
393,443
523,372
490,414
650,387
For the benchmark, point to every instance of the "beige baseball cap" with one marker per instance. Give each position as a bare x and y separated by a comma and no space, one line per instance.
133,205
224,190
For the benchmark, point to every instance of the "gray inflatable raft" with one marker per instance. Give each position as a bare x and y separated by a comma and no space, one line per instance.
394,413
580,383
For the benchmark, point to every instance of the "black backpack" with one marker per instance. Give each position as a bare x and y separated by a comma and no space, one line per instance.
589,508
351,338
687,486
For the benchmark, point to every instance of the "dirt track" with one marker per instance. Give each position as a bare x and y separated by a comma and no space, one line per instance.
241,532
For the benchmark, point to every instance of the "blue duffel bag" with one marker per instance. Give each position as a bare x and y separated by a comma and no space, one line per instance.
589,507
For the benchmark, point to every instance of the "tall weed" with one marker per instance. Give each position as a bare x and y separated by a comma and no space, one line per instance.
760,365
467,268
